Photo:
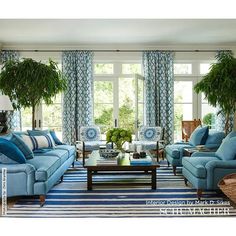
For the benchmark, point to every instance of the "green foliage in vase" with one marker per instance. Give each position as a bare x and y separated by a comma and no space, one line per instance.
28,82
118,136
219,85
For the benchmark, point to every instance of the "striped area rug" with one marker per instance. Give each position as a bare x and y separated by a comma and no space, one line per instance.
171,199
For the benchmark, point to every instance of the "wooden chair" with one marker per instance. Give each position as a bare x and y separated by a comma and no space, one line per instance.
188,126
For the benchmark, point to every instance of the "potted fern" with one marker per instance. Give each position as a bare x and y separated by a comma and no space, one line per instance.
28,82
219,85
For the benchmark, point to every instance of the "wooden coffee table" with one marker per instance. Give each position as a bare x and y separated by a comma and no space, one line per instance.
94,166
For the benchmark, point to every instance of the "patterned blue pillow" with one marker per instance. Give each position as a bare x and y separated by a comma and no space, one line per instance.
148,133
90,133
10,150
19,142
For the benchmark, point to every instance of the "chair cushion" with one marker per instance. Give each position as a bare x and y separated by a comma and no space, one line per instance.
230,135
70,149
215,137
176,150
148,133
199,136
10,150
90,133
227,150
196,165
45,166
147,145
19,142
93,145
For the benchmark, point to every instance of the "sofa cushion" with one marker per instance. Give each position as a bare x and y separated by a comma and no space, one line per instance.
199,136
227,150
45,166
196,165
176,150
70,149
63,155
19,142
11,151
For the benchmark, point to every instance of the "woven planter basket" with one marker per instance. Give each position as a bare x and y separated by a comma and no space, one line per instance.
228,186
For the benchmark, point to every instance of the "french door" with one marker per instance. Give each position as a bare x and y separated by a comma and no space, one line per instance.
118,102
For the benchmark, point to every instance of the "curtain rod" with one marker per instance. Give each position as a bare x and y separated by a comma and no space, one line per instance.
107,50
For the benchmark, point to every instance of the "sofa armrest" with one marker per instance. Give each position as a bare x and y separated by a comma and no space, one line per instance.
205,154
16,168
20,179
187,143
216,170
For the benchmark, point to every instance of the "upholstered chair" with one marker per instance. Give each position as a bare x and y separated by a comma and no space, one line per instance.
150,138
89,140
201,136
204,170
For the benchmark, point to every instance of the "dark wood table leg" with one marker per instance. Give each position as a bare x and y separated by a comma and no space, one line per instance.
154,179
89,179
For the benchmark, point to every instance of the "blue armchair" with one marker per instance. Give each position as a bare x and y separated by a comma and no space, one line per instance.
204,170
201,136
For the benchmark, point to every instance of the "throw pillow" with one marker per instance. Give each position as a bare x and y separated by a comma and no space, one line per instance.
230,135
10,150
55,138
28,141
43,141
227,150
199,136
90,133
36,132
19,142
6,160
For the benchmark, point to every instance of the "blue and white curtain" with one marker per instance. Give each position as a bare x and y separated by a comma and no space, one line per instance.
13,118
77,66
221,117
159,91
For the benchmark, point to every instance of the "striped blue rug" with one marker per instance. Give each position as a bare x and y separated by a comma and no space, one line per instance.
171,199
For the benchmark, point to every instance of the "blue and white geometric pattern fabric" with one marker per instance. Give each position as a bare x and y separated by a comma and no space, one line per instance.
90,133
77,67
159,91
13,117
150,133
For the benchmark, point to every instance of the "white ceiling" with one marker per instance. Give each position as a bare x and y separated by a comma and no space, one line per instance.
135,31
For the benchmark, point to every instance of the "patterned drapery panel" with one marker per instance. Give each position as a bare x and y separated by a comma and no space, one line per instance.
159,91
77,66
13,118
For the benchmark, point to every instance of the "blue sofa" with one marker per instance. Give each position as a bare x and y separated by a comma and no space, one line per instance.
204,170
210,139
39,174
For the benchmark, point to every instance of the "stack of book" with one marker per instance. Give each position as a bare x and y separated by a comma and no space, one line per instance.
107,161
141,161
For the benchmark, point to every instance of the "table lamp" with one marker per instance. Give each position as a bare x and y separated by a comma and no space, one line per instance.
5,105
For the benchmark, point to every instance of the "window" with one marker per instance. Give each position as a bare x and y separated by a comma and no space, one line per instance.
118,96
182,69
